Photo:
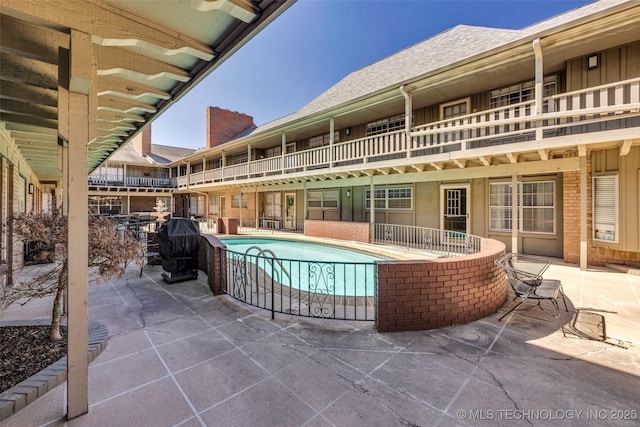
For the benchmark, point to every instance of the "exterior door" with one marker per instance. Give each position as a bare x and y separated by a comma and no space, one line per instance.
290,211
455,208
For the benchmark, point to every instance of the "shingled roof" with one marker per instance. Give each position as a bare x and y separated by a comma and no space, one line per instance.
160,155
438,52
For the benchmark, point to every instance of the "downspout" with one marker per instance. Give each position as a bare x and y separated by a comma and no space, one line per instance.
408,113
539,86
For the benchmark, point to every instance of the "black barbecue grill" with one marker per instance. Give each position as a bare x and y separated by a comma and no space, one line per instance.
179,242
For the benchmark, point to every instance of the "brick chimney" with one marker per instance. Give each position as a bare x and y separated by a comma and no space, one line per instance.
224,125
142,141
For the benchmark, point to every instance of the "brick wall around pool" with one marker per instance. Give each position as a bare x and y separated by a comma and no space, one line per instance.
353,231
427,294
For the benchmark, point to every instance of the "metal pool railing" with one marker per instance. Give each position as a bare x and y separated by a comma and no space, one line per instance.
328,290
441,242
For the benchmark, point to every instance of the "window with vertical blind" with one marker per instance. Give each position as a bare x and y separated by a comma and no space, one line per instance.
236,199
605,208
197,205
536,207
213,205
323,199
273,205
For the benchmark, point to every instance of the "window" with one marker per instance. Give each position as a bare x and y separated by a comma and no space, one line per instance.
22,203
322,140
536,207
454,109
273,205
500,207
214,164
397,198
521,92
240,158
273,151
605,208
197,206
213,205
105,205
322,199
388,124
235,200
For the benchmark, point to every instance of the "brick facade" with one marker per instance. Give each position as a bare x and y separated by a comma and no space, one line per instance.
142,141
596,255
353,231
225,125
427,294
210,260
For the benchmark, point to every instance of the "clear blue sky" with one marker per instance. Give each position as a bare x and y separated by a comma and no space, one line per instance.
316,43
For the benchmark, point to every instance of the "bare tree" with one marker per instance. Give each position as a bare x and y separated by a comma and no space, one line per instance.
45,236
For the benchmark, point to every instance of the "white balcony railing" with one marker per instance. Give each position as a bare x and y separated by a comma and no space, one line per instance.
129,181
563,114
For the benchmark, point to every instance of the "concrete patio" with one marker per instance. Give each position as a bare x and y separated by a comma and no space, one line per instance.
177,355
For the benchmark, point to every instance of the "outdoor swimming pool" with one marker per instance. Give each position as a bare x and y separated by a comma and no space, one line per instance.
305,266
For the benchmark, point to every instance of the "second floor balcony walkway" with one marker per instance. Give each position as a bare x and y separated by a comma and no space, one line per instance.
598,114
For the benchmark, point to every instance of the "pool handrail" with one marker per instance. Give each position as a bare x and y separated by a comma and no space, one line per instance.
263,253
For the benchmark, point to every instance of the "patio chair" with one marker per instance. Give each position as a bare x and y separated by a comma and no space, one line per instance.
150,247
524,274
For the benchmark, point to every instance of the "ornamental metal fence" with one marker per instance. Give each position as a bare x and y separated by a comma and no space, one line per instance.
318,289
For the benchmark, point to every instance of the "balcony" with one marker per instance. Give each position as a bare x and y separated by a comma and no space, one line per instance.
128,183
604,112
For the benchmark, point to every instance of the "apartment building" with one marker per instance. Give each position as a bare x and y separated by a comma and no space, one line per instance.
135,178
530,137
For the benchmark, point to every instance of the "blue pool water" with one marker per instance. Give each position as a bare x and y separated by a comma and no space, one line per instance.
312,266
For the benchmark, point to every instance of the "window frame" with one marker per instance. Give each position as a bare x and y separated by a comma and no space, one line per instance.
239,201
382,203
616,208
213,205
385,125
466,101
506,208
323,202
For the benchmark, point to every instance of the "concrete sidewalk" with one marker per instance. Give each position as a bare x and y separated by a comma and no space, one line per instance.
179,356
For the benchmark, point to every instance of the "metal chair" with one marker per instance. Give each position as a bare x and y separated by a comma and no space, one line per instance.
524,274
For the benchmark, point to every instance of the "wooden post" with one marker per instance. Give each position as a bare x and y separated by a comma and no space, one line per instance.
514,214
77,108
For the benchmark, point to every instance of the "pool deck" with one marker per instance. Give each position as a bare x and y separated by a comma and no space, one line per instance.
179,356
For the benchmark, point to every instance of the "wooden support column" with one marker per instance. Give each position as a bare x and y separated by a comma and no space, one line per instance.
539,86
331,141
77,128
514,214
372,211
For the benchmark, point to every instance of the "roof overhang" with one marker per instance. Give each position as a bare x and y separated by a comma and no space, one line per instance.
146,55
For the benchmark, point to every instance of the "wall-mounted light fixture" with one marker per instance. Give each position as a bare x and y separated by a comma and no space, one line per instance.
347,131
348,194
30,188
592,62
